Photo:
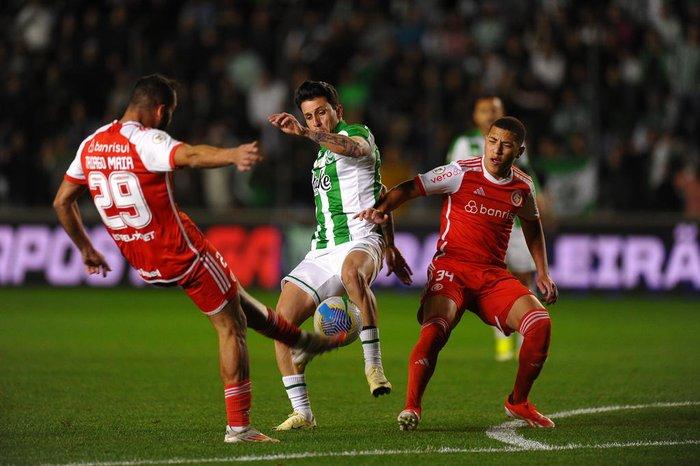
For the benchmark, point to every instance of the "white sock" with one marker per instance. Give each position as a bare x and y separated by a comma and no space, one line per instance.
295,385
238,429
370,347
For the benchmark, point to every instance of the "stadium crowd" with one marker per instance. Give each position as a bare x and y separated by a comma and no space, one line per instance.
609,90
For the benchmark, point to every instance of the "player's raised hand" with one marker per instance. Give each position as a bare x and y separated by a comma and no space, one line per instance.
287,123
373,215
95,262
395,263
246,156
547,288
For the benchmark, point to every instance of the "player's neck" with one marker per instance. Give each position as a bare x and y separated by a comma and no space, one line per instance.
136,114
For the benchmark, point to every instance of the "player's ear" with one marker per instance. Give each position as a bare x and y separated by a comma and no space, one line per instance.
160,113
521,149
339,111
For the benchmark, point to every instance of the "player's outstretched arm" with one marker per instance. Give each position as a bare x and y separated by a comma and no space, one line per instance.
66,207
349,146
534,237
204,156
399,194
395,262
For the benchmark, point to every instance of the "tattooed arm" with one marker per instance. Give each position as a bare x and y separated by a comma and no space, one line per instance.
350,146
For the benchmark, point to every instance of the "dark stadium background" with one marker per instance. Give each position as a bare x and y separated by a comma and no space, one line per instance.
609,91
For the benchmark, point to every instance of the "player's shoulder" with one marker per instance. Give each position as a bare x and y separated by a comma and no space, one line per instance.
520,176
472,164
92,135
355,129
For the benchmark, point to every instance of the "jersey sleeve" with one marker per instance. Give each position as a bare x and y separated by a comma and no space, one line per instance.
529,209
156,149
445,179
361,131
75,173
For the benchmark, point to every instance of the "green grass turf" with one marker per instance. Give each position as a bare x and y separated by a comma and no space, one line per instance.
92,375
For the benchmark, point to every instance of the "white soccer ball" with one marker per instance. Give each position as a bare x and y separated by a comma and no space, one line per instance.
338,314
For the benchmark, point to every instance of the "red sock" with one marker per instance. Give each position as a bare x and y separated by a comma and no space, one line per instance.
421,364
238,399
280,329
535,329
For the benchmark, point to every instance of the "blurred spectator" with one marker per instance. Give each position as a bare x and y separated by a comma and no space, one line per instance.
609,90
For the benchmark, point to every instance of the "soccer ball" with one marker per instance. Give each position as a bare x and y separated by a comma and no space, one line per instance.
335,315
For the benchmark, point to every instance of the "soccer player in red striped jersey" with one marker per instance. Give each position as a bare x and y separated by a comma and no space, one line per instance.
481,198
127,167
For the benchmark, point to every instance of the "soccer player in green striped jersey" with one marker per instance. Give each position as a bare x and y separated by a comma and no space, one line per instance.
488,109
346,253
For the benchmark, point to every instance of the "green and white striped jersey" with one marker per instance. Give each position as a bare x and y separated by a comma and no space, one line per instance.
343,186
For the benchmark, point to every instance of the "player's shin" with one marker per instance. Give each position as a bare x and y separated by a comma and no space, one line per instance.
421,364
535,327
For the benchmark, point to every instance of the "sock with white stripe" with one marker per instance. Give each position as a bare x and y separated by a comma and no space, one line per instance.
535,327
369,336
238,398
295,385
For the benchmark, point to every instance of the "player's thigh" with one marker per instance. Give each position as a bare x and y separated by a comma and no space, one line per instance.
358,266
295,303
363,259
497,294
440,306
520,307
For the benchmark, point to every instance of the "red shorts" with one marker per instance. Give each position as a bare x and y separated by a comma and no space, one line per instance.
486,290
210,284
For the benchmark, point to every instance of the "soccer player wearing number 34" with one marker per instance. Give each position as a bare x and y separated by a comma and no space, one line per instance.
482,197
127,167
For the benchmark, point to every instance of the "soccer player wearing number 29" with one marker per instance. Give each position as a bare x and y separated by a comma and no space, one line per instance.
482,197
127,166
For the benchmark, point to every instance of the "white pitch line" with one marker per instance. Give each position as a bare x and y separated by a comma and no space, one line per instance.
358,453
507,434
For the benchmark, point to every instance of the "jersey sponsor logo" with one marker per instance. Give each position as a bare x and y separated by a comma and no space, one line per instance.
113,147
148,236
439,170
445,175
472,208
321,181
517,198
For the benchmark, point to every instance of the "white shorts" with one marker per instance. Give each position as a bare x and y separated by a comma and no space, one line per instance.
518,258
319,273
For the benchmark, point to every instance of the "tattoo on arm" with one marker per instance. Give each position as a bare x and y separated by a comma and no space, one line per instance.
341,144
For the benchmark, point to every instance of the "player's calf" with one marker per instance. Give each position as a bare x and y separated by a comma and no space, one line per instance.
535,327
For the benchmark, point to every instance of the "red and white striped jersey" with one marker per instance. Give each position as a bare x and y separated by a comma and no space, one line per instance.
478,210
128,169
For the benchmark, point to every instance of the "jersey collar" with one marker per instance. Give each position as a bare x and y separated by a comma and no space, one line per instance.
340,126
492,178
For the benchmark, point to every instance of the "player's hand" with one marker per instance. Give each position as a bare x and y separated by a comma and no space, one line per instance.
95,262
373,215
547,288
287,123
246,155
395,263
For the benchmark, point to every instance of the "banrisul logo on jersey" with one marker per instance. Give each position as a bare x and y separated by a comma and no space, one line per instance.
320,181
113,148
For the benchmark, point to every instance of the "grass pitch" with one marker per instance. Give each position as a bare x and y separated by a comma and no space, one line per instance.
131,377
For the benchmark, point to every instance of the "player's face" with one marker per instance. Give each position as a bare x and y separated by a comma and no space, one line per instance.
501,149
320,115
486,111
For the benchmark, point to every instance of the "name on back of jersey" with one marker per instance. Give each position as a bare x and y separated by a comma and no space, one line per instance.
112,163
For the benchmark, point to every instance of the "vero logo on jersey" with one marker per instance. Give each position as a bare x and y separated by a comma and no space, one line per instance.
113,147
472,208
